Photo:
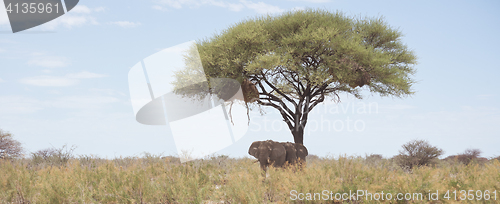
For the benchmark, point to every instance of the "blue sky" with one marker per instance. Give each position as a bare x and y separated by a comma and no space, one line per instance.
65,82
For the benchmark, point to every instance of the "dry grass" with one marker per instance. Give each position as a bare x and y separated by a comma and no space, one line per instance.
155,179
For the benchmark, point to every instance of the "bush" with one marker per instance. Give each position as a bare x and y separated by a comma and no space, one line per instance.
469,156
374,157
417,153
53,156
9,148
376,160
312,158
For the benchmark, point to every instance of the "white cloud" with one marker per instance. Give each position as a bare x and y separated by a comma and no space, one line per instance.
83,102
126,24
49,62
69,21
313,1
230,6
19,105
99,9
1,80
49,81
397,107
108,92
259,7
86,10
78,16
25,105
177,3
81,9
159,8
85,75
234,7
59,81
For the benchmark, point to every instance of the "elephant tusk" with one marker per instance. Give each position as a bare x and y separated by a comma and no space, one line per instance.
256,161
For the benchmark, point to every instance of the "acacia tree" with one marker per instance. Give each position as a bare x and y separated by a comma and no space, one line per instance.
417,153
9,148
294,61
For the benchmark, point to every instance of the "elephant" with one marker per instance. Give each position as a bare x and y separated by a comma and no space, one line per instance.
301,153
291,152
278,153
295,153
268,153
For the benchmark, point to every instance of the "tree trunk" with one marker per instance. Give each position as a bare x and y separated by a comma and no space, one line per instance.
298,135
298,130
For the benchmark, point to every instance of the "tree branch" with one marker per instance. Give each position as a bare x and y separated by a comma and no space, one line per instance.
274,98
278,91
285,116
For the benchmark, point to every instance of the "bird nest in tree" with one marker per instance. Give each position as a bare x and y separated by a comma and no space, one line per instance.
362,78
250,92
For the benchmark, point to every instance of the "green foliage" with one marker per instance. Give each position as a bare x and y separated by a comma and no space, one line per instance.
314,48
188,79
296,60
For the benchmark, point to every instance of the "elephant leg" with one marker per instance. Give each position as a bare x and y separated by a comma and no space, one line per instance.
278,154
301,155
291,153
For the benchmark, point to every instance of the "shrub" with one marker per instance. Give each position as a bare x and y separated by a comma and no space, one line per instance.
417,153
9,148
374,157
53,156
468,156
376,160
312,158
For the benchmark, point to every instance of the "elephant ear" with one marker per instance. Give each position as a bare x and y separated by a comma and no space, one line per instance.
254,148
301,149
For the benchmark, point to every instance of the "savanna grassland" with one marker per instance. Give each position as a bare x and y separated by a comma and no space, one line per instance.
156,179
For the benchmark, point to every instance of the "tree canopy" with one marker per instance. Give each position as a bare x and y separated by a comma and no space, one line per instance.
9,147
296,60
